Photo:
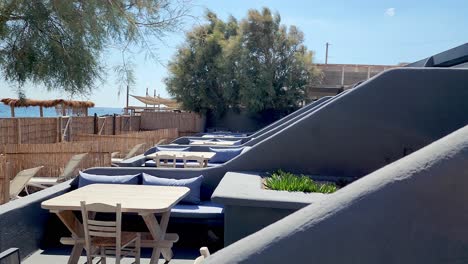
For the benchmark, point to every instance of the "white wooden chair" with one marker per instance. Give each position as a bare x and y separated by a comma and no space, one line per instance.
200,161
68,172
167,161
204,252
20,181
103,238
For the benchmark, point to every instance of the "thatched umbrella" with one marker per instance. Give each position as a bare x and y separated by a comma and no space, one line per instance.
63,105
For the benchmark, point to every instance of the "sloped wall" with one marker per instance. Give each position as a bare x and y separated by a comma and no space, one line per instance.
382,120
412,211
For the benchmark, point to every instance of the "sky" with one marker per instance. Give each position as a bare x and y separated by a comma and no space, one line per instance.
384,32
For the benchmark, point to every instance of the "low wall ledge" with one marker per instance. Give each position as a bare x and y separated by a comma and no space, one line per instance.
245,189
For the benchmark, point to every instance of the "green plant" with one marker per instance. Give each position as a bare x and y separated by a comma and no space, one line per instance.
286,181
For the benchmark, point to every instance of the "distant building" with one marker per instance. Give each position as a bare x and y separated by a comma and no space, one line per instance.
339,77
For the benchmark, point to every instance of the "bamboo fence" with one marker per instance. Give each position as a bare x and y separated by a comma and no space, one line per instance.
124,142
187,123
58,129
55,156
4,188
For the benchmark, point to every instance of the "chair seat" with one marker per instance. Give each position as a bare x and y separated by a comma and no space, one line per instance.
110,241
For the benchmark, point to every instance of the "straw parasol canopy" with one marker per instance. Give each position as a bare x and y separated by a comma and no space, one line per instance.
61,105
157,101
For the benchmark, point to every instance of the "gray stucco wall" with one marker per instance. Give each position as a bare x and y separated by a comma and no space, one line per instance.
23,221
268,130
248,207
411,211
380,121
242,121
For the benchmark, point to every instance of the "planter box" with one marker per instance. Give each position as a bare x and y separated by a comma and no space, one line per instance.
248,207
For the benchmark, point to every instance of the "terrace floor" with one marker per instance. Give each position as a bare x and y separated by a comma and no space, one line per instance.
60,256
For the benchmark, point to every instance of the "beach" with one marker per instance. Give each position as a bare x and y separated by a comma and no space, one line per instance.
50,112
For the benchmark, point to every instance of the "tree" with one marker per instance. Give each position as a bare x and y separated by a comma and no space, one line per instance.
257,64
59,43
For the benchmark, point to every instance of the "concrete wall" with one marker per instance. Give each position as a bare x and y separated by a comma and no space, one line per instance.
23,222
382,120
244,122
248,207
236,122
412,211
269,129
360,131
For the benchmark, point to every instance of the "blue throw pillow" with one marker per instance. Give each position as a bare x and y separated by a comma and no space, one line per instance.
87,179
200,141
171,149
223,155
194,184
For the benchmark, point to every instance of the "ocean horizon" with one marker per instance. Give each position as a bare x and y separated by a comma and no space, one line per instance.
50,112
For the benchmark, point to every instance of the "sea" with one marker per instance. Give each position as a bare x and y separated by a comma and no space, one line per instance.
50,112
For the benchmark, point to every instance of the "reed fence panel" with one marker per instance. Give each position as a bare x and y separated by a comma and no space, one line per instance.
4,180
36,130
122,143
55,156
187,123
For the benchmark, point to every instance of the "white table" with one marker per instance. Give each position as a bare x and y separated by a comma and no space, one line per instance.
144,200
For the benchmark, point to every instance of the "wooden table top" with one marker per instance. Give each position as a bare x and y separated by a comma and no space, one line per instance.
133,198
181,154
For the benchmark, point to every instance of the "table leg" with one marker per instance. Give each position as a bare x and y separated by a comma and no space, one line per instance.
76,228
158,232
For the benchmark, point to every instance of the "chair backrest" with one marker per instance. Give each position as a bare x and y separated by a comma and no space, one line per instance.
134,150
199,161
168,161
204,252
70,169
162,141
21,179
95,228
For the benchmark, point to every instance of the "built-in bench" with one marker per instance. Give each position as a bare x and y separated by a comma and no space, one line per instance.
206,210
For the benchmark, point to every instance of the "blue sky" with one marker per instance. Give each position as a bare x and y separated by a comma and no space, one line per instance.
360,32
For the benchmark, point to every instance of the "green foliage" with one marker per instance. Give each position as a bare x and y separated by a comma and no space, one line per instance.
60,43
286,181
257,64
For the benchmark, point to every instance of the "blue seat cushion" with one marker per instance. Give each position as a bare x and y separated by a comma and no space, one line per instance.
204,210
194,184
150,163
235,143
171,149
200,141
87,179
223,155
